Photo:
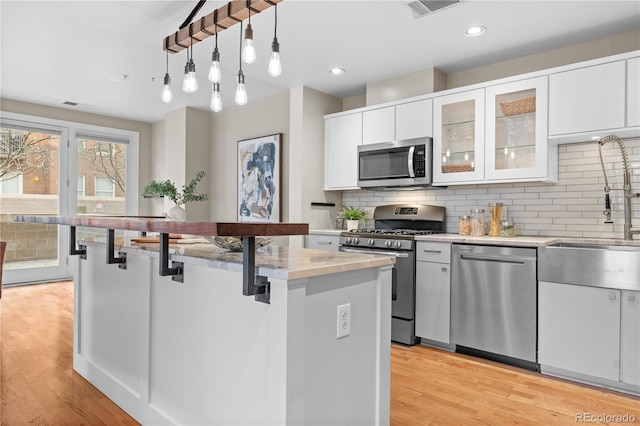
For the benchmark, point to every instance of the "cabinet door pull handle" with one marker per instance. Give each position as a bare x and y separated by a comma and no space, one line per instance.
444,269
631,298
612,296
432,251
324,242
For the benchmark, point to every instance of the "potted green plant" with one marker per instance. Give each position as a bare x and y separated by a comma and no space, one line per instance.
168,189
353,216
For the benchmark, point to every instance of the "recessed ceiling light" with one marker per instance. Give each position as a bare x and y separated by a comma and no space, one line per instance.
337,71
475,31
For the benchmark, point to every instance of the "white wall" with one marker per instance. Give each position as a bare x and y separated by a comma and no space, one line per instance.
572,207
308,108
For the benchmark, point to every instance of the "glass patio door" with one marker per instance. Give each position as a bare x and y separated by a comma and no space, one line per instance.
33,164
52,167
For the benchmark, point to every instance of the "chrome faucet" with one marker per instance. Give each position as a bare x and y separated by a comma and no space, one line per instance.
629,230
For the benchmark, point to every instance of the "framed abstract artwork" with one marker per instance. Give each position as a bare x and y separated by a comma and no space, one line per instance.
260,179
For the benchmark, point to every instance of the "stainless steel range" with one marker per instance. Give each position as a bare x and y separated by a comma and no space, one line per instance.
395,228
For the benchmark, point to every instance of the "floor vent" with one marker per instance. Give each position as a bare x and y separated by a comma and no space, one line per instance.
424,7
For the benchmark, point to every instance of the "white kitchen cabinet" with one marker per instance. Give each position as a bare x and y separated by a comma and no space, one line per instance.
516,132
414,119
630,338
433,291
633,92
579,329
458,138
379,125
407,120
343,134
323,242
587,99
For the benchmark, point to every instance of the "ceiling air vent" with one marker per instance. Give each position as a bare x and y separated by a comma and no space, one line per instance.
70,103
424,7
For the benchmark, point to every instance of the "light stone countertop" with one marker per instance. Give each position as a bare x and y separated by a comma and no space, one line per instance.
335,232
524,241
287,263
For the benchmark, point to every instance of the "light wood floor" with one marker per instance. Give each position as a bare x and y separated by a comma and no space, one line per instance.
428,386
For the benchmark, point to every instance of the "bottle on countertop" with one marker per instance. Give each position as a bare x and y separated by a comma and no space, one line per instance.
464,225
495,211
477,223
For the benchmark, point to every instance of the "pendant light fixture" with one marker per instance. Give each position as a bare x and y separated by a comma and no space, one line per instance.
275,67
241,92
215,73
190,83
249,50
167,96
216,100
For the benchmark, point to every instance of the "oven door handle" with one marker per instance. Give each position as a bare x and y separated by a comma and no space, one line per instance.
386,253
412,172
394,284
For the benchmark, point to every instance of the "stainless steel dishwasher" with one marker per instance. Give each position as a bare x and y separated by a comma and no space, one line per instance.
494,303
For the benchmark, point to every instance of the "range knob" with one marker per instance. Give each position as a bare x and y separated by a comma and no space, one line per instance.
398,244
388,243
356,240
347,240
371,241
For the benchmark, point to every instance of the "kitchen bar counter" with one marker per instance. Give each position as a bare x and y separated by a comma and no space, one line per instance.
156,224
200,352
190,347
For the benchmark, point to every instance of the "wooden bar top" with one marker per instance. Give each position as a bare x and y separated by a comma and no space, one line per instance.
157,224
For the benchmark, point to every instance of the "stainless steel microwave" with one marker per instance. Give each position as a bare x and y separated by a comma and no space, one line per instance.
395,164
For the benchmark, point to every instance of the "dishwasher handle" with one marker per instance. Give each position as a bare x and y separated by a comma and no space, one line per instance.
499,259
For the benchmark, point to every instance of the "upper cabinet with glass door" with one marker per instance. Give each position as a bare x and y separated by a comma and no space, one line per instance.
516,133
458,138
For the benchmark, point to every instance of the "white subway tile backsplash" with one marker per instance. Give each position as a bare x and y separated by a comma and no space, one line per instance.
571,208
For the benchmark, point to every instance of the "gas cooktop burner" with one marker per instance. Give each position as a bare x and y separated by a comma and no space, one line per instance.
409,232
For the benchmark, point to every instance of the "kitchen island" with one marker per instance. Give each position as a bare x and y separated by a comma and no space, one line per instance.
202,352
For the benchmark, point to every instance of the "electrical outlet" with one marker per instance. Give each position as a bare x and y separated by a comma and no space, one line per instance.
344,320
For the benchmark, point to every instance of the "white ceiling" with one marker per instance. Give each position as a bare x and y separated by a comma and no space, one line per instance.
57,51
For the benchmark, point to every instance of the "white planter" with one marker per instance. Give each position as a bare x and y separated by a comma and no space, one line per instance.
177,213
353,224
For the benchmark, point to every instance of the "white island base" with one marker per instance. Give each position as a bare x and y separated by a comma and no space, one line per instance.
200,352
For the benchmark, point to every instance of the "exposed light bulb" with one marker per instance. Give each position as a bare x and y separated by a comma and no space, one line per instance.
167,96
241,91
248,48
275,67
190,82
216,100
215,73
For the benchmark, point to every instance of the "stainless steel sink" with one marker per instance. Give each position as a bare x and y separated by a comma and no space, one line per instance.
608,266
